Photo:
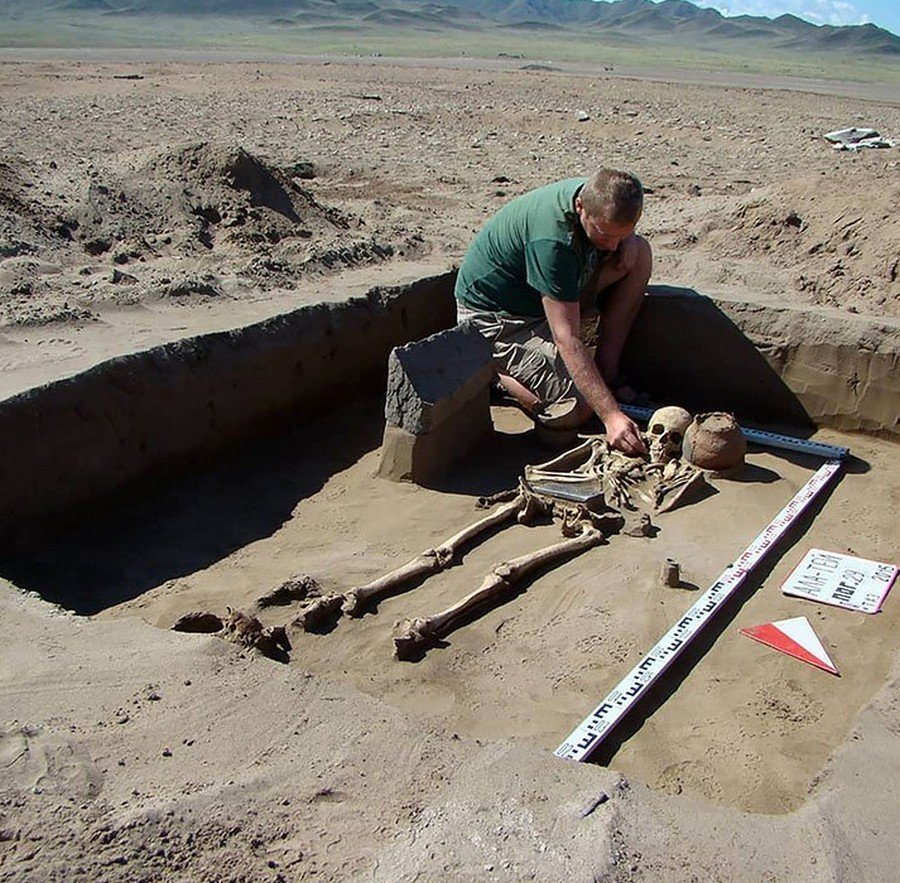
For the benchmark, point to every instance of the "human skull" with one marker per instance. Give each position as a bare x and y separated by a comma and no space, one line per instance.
665,433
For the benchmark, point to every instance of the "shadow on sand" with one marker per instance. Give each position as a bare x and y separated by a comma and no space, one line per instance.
115,549
684,350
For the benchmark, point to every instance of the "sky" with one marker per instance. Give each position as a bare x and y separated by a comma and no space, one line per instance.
884,13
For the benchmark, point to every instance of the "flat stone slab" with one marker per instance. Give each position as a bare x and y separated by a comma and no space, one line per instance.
430,379
437,405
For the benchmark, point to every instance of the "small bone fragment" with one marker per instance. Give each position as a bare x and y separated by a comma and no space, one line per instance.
599,800
535,507
678,487
499,497
317,613
414,635
274,643
637,524
670,573
296,588
432,560
241,628
247,631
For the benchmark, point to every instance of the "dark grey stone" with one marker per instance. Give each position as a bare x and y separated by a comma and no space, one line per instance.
432,378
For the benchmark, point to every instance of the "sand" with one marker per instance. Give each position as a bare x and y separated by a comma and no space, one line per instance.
134,753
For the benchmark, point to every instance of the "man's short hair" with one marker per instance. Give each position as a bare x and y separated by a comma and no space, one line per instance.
616,196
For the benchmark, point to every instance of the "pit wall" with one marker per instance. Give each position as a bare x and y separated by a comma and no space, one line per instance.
77,439
769,364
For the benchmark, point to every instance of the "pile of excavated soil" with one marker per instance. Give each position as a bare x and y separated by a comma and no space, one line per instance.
839,253
193,221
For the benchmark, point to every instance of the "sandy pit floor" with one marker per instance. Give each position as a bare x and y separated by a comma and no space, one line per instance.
746,727
144,201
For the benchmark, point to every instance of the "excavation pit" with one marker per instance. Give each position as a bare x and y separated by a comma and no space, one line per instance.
222,524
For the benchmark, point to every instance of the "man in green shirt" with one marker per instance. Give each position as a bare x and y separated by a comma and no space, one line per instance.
536,267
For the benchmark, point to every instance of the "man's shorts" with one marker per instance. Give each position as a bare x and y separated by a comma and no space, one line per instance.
524,349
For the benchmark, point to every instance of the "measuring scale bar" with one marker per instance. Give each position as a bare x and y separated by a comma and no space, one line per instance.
767,439
585,738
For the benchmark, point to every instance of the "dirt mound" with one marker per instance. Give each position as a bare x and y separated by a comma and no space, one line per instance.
32,235
189,197
841,254
193,222
26,224
232,190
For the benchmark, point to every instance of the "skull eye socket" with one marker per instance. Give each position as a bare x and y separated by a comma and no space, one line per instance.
657,429
676,438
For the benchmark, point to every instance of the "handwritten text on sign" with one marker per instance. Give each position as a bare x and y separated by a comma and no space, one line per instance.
841,580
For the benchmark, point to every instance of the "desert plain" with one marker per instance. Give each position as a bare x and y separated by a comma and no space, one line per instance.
146,198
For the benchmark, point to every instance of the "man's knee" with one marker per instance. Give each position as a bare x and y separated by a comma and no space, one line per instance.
643,264
583,413
640,270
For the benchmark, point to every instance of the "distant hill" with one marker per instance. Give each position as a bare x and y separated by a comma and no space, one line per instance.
683,17
679,20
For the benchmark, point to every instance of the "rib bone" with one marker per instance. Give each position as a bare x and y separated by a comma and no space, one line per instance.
567,461
414,635
677,485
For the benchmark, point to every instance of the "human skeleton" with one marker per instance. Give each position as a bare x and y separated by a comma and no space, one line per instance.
592,490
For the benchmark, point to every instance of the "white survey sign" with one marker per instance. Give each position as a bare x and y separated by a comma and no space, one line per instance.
841,580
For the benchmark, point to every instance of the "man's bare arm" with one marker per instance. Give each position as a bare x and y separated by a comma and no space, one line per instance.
565,319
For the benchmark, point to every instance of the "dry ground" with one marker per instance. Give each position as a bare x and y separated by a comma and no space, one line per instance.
140,202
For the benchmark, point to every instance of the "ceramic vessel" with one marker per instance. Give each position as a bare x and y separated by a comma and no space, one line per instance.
715,442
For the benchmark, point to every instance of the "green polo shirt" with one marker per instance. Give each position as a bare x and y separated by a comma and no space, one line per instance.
533,246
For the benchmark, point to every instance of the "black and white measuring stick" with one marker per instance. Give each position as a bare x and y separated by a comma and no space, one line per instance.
767,439
588,735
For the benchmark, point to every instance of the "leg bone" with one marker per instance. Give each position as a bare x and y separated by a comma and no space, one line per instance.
413,635
432,560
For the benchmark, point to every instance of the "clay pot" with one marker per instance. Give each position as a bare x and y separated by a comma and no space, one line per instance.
715,442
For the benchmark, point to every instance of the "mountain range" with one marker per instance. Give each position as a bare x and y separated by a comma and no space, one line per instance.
628,20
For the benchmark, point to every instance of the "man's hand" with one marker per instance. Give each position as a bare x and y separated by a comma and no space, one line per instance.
621,431
623,434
